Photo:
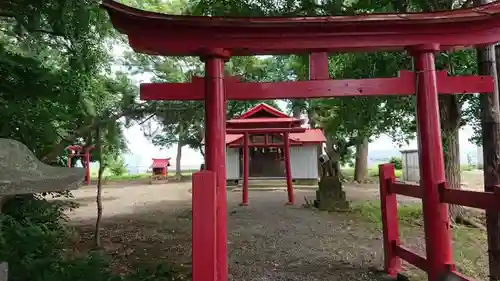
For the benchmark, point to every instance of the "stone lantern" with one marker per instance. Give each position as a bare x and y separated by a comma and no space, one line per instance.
22,173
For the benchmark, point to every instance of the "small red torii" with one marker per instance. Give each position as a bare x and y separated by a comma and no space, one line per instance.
81,151
159,169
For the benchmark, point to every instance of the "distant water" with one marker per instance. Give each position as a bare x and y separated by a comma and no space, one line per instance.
376,157
135,165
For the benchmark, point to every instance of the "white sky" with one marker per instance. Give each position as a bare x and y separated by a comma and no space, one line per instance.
143,150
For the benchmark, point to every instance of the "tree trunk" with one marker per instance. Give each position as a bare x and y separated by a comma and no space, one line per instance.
4,271
311,115
297,112
490,121
450,115
330,196
97,232
361,164
178,171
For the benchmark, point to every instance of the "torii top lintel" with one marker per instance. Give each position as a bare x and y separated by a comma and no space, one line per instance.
175,35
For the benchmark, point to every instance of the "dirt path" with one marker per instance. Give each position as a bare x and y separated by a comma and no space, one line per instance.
267,241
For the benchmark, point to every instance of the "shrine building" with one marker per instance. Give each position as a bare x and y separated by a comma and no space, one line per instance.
266,151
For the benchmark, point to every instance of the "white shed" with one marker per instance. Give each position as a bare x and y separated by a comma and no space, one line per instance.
479,157
303,159
411,172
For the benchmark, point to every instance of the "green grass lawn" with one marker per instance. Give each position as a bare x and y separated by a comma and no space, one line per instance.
348,172
127,177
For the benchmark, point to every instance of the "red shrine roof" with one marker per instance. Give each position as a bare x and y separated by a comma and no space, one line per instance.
263,108
160,163
253,117
264,114
163,34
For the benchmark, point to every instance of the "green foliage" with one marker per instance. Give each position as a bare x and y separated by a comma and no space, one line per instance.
397,162
117,166
34,241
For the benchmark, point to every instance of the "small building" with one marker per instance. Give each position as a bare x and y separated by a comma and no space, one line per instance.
411,171
479,157
159,169
266,150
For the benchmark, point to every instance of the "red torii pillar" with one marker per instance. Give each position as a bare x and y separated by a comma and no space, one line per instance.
436,220
215,149
286,149
76,150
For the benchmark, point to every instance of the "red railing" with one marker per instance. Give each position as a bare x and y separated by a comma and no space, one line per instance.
389,188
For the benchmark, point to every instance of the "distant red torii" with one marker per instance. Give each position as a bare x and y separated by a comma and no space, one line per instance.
81,151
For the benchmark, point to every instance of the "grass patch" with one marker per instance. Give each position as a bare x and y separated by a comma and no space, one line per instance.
143,176
408,213
469,244
372,172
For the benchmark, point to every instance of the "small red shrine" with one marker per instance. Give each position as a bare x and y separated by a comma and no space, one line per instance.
266,150
159,169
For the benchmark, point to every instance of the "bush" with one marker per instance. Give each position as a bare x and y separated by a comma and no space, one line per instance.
117,166
34,239
397,162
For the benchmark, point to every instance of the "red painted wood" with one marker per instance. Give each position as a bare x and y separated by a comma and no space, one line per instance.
265,131
215,151
390,227
204,226
81,151
260,107
402,85
411,257
461,277
318,66
474,199
245,170
288,169
431,163
162,34
410,190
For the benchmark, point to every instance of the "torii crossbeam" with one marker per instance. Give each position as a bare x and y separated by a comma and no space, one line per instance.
216,39
404,84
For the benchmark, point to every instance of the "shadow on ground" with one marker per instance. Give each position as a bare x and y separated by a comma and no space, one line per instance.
266,241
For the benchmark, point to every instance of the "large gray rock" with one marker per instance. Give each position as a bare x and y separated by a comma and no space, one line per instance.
22,173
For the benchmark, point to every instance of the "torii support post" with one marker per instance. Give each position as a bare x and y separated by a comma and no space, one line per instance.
431,161
288,169
78,150
244,200
215,149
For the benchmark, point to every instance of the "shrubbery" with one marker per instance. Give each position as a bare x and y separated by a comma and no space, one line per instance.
397,162
34,241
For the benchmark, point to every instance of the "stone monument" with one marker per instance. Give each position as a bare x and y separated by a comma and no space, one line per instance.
22,173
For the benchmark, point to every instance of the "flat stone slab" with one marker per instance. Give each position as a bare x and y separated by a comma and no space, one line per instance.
22,173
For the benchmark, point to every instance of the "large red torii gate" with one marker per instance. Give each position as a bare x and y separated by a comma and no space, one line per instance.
216,39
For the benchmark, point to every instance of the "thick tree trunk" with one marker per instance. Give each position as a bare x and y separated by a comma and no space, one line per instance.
361,164
330,196
490,121
178,171
450,113
297,112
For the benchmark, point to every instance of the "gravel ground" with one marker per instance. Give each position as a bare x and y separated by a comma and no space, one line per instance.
267,240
